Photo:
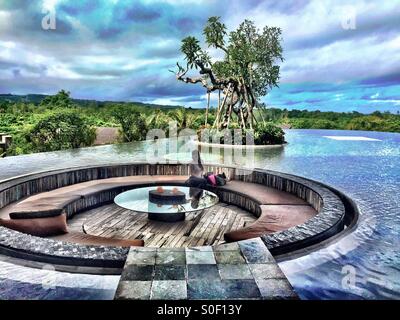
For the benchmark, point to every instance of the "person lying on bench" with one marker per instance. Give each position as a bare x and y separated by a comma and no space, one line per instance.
197,177
216,179
195,195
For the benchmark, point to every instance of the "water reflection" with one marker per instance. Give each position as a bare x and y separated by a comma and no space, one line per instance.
368,171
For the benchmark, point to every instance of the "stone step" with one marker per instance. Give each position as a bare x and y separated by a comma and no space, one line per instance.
240,270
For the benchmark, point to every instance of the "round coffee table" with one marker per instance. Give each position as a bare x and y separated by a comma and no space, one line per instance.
166,203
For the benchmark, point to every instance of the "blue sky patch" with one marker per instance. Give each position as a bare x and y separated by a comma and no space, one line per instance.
122,50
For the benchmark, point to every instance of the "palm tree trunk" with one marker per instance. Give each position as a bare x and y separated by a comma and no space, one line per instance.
243,123
249,104
208,106
261,111
227,116
217,120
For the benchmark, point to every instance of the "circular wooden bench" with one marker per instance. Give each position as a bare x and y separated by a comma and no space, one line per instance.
292,212
277,210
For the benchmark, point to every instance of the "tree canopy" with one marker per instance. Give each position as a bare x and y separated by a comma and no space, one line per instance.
133,125
61,130
60,100
248,70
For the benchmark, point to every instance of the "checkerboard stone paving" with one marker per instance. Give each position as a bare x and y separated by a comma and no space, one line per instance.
241,270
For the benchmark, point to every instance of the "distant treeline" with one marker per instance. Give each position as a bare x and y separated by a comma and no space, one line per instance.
46,123
303,119
59,122
37,99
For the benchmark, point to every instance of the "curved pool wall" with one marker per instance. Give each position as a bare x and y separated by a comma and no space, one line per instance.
367,171
329,221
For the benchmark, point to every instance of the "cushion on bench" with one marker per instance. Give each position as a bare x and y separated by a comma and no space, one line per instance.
33,214
41,227
50,204
87,189
87,239
263,194
274,218
101,241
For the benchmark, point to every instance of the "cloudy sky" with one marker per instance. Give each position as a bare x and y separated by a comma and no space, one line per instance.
339,55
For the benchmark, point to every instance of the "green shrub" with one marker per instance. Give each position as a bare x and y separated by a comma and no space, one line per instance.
61,130
133,124
268,133
370,123
20,144
301,123
263,134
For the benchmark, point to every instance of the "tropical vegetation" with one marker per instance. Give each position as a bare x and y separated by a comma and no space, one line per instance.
59,122
247,71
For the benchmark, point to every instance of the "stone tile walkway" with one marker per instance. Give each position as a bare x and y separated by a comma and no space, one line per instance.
242,270
24,283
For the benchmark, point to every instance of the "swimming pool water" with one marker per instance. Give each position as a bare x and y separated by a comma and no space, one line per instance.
369,172
364,165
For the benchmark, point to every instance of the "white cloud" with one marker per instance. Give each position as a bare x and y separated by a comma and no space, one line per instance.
83,31
392,101
394,43
50,5
162,101
104,46
175,2
326,51
8,44
137,63
4,20
338,96
340,61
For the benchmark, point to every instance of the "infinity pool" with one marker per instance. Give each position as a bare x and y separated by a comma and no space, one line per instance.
369,172
364,165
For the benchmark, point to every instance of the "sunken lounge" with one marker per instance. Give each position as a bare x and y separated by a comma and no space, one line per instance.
167,241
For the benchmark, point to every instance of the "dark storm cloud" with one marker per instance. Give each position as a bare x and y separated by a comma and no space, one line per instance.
15,4
375,97
313,100
290,103
79,7
140,13
288,7
110,32
193,98
118,50
16,73
368,25
385,80
27,25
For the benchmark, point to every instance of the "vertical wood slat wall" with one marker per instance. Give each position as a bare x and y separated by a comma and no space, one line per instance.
53,180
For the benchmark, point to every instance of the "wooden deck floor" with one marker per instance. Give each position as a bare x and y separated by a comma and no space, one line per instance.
202,228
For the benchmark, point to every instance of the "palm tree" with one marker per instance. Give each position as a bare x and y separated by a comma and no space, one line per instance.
157,119
179,115
191,120
184,118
